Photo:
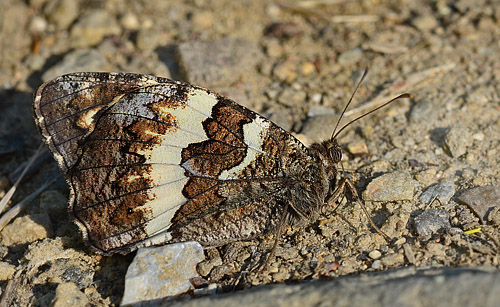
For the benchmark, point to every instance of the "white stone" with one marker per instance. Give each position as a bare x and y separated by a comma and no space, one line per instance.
161,272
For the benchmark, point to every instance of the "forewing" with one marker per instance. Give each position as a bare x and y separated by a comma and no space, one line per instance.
147,158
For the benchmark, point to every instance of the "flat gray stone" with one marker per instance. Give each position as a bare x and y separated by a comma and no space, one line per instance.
350,56
149,39
442,191
161,272
92,27
62,13
319,127
481,200
281,116
402,287
456,141
391,187
78,60
432,221
217,62
422,112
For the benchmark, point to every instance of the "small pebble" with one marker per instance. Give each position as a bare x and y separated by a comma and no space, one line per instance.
318,110
316,98
7,270
307,68
281,276
350,56
38,25
286,71
400,241
377,264
392,260
203,20
281,116
35,61
479,136
27,229
291,97
273,269
210,290
284,30
425,22
494,216
287,253
219,271
426,177
130,22
274,49
410,255
199,282
468,173
436,249
4,250
375,254
357,147
206,266
68,294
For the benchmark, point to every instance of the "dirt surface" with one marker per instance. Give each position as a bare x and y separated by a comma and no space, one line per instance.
298,63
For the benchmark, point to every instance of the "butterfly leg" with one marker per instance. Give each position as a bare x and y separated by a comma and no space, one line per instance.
339,190
352,189
256,267
277,235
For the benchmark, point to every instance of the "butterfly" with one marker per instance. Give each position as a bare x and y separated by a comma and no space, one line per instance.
152,161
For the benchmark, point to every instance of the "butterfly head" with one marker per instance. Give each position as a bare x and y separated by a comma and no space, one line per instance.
334,151
329,153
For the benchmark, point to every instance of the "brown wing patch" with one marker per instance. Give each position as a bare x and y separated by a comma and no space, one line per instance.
65,110
226,149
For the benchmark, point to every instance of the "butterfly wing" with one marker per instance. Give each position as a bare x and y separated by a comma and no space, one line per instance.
150,160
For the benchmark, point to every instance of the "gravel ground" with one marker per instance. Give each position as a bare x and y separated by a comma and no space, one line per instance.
427,168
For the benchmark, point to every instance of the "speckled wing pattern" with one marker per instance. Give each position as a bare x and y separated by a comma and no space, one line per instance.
151,161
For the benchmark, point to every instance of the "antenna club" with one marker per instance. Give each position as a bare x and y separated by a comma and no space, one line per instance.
405,95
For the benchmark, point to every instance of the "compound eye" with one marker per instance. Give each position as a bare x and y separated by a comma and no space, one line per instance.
336,154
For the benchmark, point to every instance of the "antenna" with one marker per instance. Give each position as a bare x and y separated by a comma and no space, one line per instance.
335,134
405,95
349,102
